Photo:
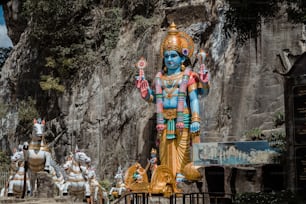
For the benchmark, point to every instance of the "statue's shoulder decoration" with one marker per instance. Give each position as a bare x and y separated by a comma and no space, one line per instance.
178,41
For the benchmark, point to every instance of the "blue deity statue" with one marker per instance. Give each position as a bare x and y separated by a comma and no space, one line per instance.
175,93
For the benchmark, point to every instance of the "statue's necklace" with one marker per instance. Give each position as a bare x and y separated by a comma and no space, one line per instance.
171,83
170,88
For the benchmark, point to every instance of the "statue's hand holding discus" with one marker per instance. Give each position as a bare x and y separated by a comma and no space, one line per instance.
204,76
142,84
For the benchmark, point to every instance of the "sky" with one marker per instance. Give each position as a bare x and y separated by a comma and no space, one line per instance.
5,40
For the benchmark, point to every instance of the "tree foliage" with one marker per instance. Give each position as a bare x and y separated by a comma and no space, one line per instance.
297,11
4,161
54,22
57,29
27,110
66,33
48,83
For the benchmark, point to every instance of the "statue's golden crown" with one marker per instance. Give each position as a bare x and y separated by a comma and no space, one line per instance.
178,41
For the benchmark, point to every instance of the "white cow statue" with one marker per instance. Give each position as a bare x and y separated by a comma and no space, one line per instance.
16,181
37,153
75,170
98,193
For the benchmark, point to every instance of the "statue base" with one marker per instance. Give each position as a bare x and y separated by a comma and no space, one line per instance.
45,186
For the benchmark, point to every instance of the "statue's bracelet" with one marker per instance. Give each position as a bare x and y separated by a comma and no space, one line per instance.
195,119
195,134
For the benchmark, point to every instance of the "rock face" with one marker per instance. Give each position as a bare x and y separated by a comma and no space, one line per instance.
102,112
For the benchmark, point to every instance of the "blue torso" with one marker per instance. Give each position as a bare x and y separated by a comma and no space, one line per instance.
170,93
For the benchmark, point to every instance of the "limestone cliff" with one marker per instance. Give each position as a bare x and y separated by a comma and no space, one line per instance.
102,112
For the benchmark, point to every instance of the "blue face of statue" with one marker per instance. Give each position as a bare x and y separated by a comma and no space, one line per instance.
173,60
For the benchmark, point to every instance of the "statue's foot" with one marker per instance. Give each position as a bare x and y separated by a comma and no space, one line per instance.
10,194
180,177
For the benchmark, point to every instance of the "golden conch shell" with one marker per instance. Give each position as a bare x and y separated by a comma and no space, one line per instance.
163,182
191,173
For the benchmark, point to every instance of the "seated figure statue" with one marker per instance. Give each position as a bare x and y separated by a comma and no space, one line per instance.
175,93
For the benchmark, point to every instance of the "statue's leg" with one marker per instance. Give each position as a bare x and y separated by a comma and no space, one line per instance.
60,189
92,199
2,192
47,162
105,197
87,192
66,187
163,149
111,191
33,177
182,145
167,152
87,189
96,193
29,189
10,188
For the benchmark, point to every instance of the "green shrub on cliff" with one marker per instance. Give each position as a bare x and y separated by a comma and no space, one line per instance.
27,110
4,161
68,33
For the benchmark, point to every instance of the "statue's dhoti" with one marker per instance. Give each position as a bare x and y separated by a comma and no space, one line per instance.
174,149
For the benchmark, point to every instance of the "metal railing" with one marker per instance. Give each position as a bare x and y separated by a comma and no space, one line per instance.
133,198
201,198
4,176
178,198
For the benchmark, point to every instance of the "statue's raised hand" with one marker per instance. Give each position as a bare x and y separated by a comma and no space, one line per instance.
204,76
144,86
140,78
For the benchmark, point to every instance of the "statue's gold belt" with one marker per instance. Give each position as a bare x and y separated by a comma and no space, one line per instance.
19,179
76,180
75,171
170,114
39,147
56,180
